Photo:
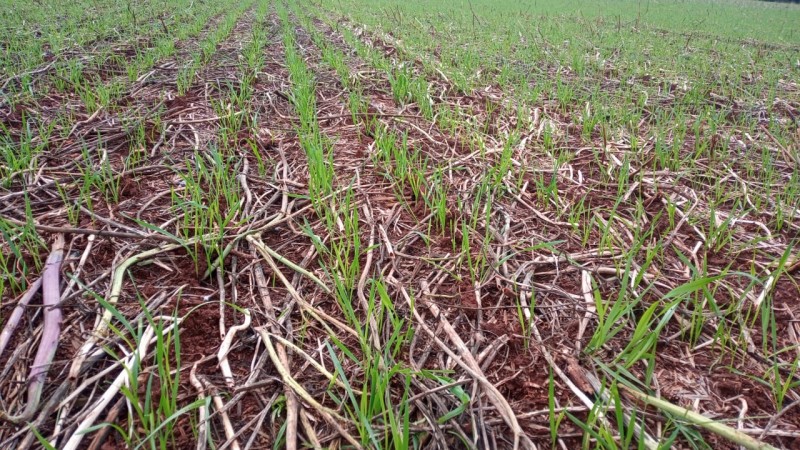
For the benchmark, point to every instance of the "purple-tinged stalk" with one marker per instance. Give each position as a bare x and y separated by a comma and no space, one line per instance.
51,294
16,315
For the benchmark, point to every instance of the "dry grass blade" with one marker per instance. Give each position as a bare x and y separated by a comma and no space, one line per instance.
224,348
466,361
323,317
332,417
292,405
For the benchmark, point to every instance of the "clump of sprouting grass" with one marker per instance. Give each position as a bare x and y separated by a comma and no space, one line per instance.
405,167
345,252
503,168
232,110
357,104
18,155
419,92
187,74
303,90
72,207
253,54
436,199
137,149
209,202
400,81
98,176
319,152
335,59
19,241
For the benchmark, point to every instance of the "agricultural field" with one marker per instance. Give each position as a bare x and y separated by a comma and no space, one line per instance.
250,224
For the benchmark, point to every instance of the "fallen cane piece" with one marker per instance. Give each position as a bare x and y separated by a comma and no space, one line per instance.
16,315
51,331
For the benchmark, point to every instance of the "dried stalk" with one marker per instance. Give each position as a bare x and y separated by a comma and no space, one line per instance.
332,417
139,355
700,420
101,328
224,348
51,293
16,315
